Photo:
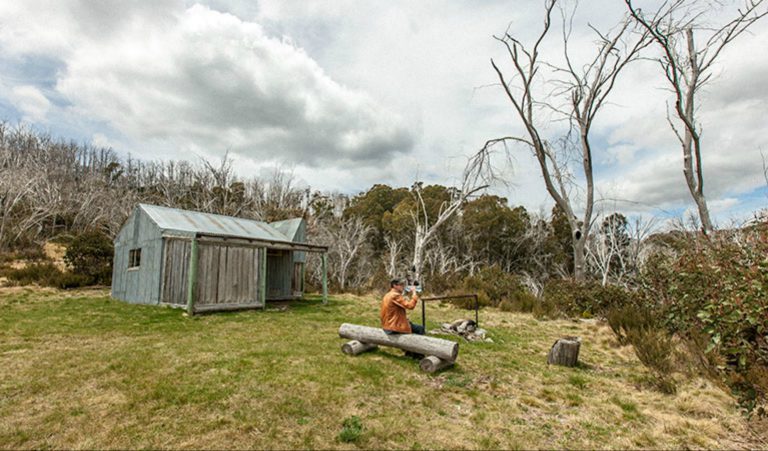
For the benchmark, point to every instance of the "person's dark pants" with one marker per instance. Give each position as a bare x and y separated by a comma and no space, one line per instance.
415,329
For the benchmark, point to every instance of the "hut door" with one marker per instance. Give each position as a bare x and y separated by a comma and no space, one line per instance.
279,272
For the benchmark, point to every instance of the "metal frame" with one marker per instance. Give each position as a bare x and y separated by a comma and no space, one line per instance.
442,298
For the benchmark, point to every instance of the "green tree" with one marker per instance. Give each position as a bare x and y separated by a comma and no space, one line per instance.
495,230
371,207
90,254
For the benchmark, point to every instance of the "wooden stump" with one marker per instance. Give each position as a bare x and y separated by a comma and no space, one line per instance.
355,347
430,364
565,352
443,349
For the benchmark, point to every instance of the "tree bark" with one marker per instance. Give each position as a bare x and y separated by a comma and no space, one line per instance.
430,364
565,352
355,347
579,259
444,349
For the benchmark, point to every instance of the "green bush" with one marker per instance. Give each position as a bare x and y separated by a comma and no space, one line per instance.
717,285
90,254
440,283
628,319
46,274
583,299
547,308
494,286
351,430
33,253
655,349
67,280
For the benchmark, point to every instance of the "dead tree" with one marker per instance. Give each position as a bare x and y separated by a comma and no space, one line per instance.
579,92
425,231
687,67
394,248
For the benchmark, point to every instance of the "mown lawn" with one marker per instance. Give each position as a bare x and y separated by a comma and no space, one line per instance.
80,370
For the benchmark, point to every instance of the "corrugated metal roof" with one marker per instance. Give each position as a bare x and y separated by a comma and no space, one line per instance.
173,219
288,227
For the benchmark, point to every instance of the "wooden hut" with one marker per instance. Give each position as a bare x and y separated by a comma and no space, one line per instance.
207,262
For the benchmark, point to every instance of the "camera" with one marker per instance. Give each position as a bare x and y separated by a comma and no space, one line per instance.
415,286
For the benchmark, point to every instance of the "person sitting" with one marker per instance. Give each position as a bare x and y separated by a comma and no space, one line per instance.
393,310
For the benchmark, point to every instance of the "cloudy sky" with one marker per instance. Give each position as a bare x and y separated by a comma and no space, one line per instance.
351,93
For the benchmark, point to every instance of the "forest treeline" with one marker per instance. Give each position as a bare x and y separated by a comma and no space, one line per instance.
51,188
686,301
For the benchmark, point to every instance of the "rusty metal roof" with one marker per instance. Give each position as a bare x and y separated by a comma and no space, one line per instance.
288,227
185,221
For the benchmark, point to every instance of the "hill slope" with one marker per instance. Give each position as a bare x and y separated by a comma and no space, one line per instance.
79,370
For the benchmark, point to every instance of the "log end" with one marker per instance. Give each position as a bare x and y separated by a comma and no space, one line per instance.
430,364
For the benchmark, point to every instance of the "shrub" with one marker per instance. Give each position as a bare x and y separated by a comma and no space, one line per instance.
583,299
33,253
352,428
493,286
655,349
546,308
40,273
717,285
90,255
523,302
67,280
439,283
46,274
628,319
506,306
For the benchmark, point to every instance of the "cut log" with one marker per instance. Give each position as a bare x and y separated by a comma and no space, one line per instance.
565,352
430,364
354,347
444,349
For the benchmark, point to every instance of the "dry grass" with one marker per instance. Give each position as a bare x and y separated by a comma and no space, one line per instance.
78,370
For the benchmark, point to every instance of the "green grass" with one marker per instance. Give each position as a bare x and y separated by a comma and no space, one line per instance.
80,370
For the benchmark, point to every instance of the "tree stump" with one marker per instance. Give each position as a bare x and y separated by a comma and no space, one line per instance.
355,347
430,364
565,352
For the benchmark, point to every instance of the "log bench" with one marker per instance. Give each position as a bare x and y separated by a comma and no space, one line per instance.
438,353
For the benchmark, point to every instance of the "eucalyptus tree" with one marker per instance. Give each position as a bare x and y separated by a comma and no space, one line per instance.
570,90
688,66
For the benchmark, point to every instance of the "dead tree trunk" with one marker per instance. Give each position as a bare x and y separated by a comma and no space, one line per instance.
565,352
444,349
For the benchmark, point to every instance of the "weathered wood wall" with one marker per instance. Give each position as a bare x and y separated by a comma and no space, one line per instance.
228,275
176,270
139,285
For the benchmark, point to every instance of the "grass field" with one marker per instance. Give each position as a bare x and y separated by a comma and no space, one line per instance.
80,370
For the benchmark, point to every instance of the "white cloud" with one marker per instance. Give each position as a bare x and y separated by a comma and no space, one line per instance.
199,80
352,93
31,102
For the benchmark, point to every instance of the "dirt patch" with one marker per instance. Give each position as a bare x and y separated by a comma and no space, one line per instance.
55,252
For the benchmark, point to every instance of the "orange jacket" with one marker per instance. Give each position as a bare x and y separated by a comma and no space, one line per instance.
393,307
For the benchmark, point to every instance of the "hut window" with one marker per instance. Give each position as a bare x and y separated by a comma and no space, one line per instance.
134,258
